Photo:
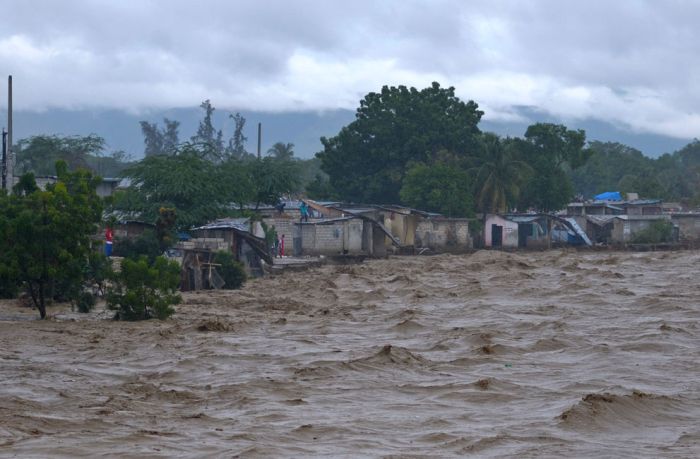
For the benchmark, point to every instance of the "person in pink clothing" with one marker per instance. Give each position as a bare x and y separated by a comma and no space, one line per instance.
282,246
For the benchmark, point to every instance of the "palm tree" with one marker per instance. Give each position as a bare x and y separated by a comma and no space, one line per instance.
499,176
282,151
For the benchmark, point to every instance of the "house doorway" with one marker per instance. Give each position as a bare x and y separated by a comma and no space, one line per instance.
496,236
524,230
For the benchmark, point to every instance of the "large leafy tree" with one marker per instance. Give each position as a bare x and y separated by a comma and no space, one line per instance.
185,181
551,150
273,179
45,238
368,158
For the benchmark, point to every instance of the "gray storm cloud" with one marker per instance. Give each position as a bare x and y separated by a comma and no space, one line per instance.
631,63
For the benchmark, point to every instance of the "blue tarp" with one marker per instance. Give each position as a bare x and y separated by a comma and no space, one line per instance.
609,196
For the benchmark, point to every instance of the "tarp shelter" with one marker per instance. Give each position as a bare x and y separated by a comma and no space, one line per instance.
609,196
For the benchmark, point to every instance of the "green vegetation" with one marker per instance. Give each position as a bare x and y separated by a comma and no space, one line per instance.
45,237
499,175
440,188
368,159
144,290
39,154
613,166
146,244
551,150
230,270
658,231
420,148
395,150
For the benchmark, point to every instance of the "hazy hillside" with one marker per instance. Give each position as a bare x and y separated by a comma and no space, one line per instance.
122,131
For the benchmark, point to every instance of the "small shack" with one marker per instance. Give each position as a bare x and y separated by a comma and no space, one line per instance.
535,231
239,236
500,231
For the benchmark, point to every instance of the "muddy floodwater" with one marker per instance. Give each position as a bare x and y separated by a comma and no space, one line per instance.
553,354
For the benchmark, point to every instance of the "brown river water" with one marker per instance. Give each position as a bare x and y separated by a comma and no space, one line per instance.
547,354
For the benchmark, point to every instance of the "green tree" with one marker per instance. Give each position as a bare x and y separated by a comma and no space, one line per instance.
608,163
442,188
26,185
39,153
184,181
207,135
165,228
367,160
282,151
145,245
46,236
270,180
551,150
152,138
499,176
160,141
236,145
143,290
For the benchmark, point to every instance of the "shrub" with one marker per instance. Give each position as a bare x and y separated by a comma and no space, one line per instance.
657,232
85,302
146,244
231,270
8,283
144,290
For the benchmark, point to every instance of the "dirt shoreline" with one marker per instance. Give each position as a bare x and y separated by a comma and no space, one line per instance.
531,354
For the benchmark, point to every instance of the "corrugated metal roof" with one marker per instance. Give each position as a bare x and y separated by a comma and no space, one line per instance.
641,202
643,217
325,221
522,218
600,219
241,224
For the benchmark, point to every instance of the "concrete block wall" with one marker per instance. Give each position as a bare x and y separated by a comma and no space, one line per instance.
448,235
331,239
688,227
284,226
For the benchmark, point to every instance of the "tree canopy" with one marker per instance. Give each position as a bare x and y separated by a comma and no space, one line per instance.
367,160
441,187
160,141
551,150
45,235
184,181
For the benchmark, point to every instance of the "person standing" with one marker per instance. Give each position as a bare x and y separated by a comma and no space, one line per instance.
108,241
304,210
282,246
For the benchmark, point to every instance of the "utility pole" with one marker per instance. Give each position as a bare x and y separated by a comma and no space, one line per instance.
9,158
4,159
259,138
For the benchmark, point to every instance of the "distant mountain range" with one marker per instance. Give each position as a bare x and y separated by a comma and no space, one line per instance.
122,131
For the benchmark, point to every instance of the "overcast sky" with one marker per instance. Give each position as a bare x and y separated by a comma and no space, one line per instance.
630,62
